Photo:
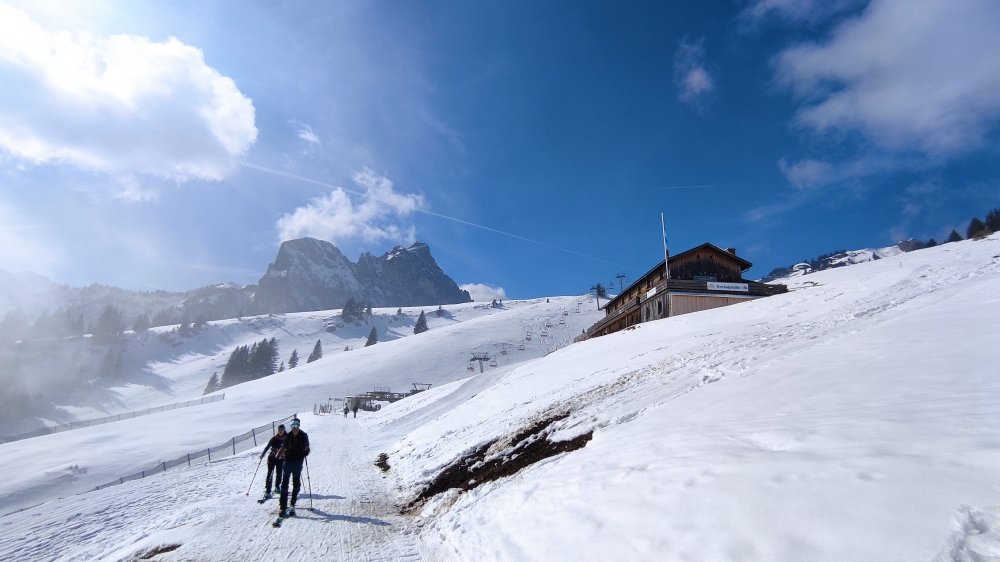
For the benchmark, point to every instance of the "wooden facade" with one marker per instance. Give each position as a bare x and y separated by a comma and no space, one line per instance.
701,278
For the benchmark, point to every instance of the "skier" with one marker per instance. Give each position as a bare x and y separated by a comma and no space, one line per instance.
273,462
294,449
345,409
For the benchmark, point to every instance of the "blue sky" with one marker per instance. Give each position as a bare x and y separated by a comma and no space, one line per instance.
816,125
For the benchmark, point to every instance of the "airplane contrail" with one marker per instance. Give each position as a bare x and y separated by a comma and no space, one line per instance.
446,217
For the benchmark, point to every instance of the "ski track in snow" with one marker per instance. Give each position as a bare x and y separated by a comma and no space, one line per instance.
205,510
603,385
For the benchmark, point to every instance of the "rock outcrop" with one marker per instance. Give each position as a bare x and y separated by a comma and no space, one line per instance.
310,274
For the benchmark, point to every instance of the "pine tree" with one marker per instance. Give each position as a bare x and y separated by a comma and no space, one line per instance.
439,311
293,361
317,352
164,317
199,322
931,243
993,220
372,337
399,312
109,326
421,325
185,328
975,227
368,311
14,326
141,324
281,368
250,363
954,237
213,384
350,311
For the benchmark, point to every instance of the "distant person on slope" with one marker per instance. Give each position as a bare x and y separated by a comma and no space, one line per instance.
273,462
294,449
345,410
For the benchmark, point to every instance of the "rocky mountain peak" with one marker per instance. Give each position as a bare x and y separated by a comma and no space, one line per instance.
310,274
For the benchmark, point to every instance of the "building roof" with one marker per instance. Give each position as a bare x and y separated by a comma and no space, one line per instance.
744,265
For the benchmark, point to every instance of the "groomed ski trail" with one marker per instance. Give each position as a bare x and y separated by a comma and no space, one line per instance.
205,510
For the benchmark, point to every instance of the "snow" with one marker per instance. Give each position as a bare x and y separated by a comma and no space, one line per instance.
853,418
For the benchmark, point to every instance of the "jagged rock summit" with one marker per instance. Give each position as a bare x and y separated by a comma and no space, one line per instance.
310,274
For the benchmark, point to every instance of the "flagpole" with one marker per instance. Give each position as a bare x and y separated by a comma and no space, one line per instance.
666,266
666,251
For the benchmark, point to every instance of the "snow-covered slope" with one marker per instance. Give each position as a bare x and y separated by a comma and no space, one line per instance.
841,259
181,367
854,418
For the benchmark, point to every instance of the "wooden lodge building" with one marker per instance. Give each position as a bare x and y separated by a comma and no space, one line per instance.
700,278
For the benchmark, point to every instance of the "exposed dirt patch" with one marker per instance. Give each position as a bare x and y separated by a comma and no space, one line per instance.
156,551
502,457
382,462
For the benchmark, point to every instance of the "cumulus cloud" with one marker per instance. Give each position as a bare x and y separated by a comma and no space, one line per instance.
693,80
121,105
481,292
911,75
378,216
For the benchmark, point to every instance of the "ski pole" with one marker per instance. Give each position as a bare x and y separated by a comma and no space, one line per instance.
309,483
255,475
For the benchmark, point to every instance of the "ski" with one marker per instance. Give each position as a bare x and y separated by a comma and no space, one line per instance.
277,522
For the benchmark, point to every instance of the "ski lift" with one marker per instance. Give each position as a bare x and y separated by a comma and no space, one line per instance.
520,347
544,334
527,337
503,352
470,368
493,362
561,321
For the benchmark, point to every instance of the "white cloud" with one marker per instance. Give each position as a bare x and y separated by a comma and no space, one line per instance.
481,292
798,11
336,218
306,133
805,173
121,105
909,74
693,80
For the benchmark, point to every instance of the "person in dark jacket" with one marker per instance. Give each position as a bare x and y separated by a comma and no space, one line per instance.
294,450
273,462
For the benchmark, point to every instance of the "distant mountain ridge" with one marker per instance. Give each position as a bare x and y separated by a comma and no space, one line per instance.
307,274
310,274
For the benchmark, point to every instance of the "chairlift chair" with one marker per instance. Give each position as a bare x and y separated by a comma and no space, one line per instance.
503,352
544,334
561,321
527,338
493,362
520,347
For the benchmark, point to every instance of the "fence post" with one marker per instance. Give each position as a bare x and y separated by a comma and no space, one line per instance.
272,428
143,473
164,466
254,433
189,459
234,445
121,480
209,454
